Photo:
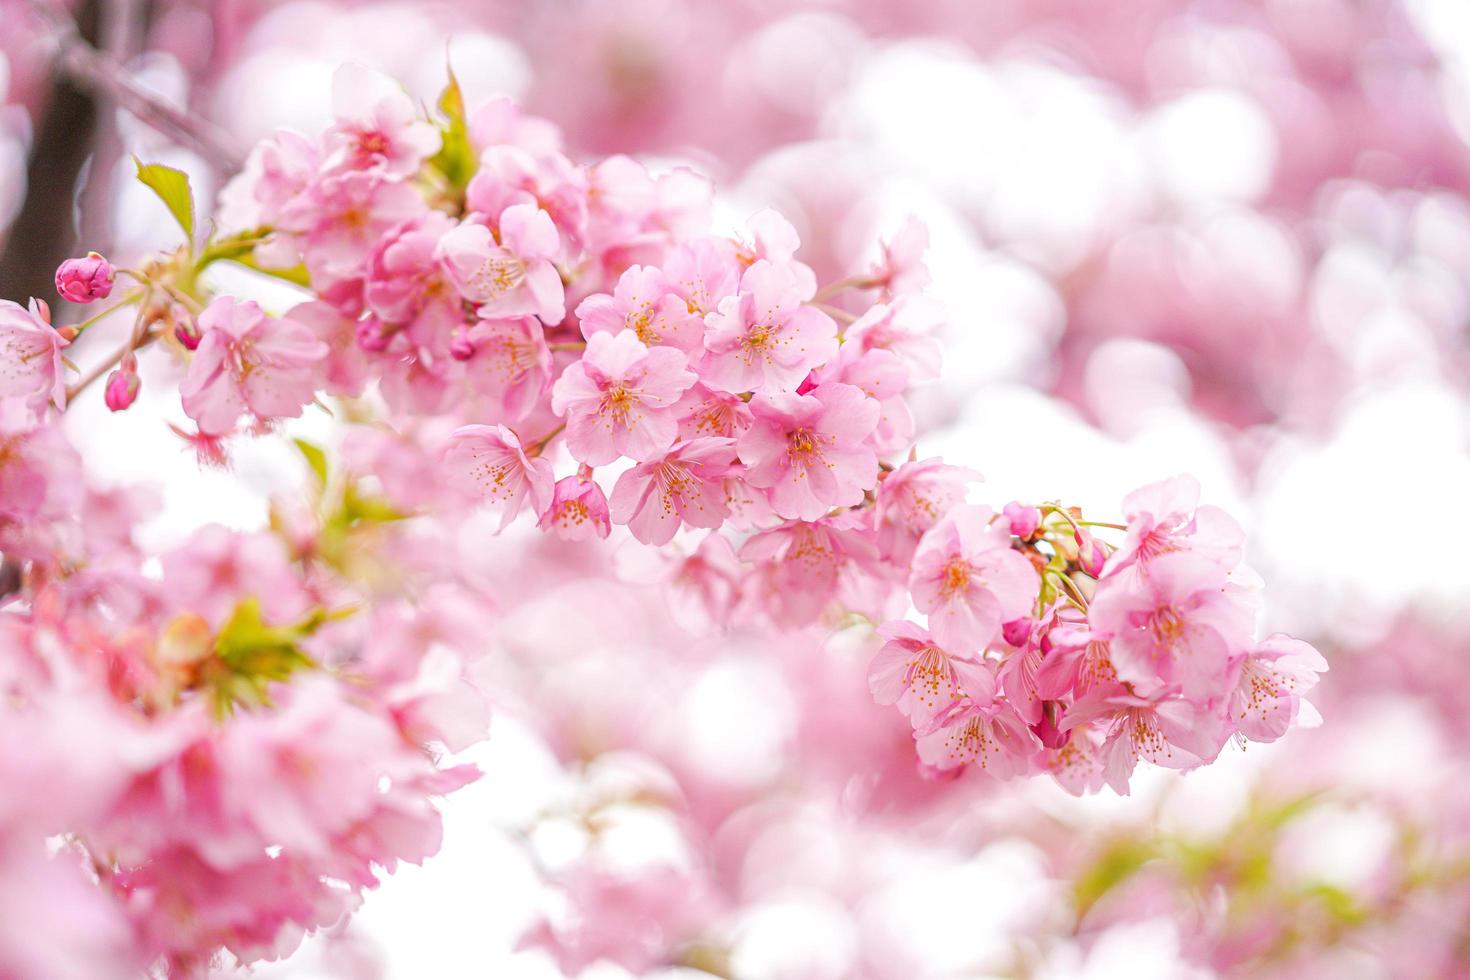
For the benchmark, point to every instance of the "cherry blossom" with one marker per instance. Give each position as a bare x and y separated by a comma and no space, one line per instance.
250,363
764,338
808,452
684,487
968,580
488,462
619,399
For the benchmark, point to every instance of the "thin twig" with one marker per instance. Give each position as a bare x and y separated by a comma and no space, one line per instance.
101,74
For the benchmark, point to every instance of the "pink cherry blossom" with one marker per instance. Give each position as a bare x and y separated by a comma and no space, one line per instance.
1174,734
1164,517
801,567
487,461
619,399
578,510
377,125
334,225
684,487
969,581
913,672
765,338
1272,677
913,498
976,733
1179,624
901,269
907,327
644,303
30,357
510,364
704,412
249,363
809,451
703,273
510,272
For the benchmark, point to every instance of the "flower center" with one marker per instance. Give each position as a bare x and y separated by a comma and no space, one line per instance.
498,275
956,579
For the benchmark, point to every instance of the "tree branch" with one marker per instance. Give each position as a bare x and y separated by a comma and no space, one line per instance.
100,74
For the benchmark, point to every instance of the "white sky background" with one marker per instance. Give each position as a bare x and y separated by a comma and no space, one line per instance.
1051,161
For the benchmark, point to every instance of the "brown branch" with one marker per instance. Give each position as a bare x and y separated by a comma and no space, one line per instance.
100,74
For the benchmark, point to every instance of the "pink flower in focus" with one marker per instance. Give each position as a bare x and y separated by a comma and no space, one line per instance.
682,487
766,338
1164,517
85,280
969,581
1177,625
511,272
1174,734
335,224
509,364
883,377
915,497
30,357
986,734
578,510
643,303
703,412
703,273
377,125
248,362
619,399
1267,698
487,461
913,672
809,451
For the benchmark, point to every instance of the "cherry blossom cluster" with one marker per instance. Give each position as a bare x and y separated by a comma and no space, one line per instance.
562,345
1048,650
225,742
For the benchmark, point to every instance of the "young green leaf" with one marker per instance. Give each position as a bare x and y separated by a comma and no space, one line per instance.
172,187
456,157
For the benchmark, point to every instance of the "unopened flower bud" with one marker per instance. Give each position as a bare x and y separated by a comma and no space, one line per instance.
187,332
373,335
461,348
1016,632
1024,520
123,385
85,280
1090,554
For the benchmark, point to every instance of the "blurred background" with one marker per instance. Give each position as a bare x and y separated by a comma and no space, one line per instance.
1228,237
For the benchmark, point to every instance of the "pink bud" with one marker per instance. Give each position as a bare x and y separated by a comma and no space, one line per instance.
123,385
461,348
86,279
187,332
1046,729
1016,632
373,335
1024,520
1090,554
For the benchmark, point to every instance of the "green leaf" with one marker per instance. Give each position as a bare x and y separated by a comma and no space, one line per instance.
315,458
456,157
172,187
251,655
296,275
232,248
